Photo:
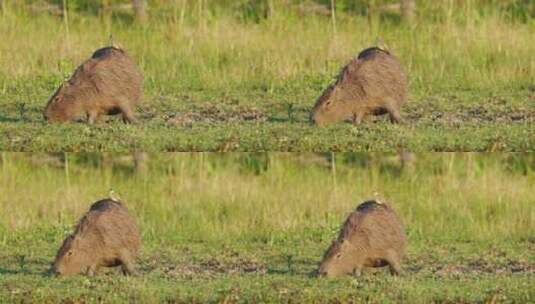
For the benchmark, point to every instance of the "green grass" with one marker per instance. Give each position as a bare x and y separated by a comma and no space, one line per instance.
218,81
253,227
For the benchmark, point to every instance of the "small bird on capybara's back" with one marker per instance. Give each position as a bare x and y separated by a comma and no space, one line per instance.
106,236
372,236
373,83
108,83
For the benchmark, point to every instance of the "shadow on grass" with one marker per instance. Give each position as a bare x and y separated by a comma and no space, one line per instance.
312,274
281,118
7,271
22,265
4,118
29,118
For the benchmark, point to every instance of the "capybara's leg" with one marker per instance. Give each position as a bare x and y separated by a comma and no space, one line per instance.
126,263
395,268
92,117
394,263
393,110
92,270
358,117
128,268
128,114
395,117
357,271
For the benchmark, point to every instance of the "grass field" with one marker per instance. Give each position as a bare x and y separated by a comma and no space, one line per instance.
216,80
253,227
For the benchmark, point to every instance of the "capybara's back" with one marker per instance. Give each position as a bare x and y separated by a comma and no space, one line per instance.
118,75
106,236
381,224
108,83
372,236
373,83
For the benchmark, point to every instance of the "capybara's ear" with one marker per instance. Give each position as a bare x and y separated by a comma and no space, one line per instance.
73,238
87,66
349,73
328,102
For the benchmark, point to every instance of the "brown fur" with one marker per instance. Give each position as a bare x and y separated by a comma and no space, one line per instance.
108,83
372,236
106,236
374,83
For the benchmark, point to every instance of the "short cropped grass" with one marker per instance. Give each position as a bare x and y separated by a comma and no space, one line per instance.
253,227
217,81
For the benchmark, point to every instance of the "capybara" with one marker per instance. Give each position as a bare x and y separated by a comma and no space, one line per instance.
108,83
106,236
373,83
372,236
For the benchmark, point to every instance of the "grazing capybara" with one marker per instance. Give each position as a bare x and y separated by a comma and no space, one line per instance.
374,83
108,83
372,236
106,236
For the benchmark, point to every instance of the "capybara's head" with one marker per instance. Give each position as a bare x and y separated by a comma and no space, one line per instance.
63,105
338,260
334,105
72,258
